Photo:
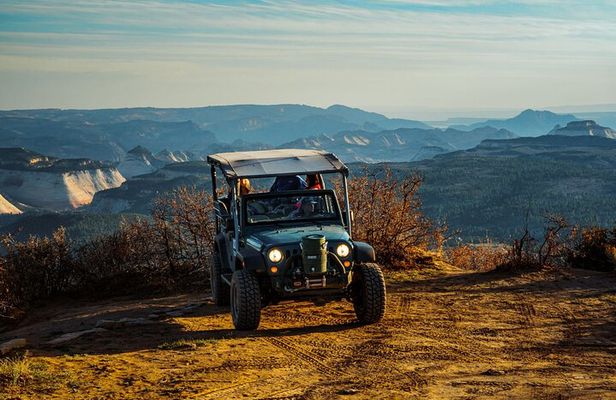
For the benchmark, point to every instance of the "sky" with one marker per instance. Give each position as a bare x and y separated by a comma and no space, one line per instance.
422,58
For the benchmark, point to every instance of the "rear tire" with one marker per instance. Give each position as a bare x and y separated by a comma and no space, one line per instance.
368,293
220,289
245,300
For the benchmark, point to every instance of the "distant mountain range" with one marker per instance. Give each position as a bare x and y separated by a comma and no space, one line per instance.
108,141
192,133
398,145
527,123
272,124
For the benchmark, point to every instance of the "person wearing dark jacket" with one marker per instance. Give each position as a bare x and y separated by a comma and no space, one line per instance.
286,183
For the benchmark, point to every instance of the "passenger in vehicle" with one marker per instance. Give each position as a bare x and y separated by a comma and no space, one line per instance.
313,182
286,183
308,208
245,186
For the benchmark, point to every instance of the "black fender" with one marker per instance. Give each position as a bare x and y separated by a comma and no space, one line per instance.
220,246
250,259
363,252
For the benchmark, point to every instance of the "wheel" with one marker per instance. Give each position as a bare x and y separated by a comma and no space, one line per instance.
245,300
220,289
368,293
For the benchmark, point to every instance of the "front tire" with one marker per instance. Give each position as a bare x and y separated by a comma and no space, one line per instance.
368,293
220,289
245,300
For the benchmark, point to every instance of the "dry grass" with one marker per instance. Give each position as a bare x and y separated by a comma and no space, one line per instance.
184,344
22,371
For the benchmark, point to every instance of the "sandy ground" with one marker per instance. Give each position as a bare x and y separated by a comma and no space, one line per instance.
447,334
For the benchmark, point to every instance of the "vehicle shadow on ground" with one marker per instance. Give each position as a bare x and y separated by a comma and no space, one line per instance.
167,333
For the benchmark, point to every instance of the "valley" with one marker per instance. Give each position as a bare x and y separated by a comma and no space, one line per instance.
487,179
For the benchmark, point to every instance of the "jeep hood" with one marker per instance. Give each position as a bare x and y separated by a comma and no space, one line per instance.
284,236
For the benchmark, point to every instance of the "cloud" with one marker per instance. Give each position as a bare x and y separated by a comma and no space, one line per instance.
395,43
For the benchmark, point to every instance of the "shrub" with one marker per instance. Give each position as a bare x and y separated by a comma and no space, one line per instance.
387,214
169,251
531,253
477,257
593,248
35,269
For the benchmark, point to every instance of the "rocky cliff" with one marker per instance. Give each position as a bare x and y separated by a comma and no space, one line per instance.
7,208
139,193
584,128
139,161
49,183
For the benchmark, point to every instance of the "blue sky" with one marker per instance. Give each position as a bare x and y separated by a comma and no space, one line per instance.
406,58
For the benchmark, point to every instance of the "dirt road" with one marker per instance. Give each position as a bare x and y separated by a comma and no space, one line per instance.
447,334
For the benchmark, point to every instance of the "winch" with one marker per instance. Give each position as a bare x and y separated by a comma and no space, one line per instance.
314,254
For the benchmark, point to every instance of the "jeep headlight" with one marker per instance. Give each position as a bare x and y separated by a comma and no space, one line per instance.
274,255
343,250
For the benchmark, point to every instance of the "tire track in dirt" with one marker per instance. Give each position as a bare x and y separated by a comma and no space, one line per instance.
239,365
226,391
285,317
310,358
376,360
528,313
572,329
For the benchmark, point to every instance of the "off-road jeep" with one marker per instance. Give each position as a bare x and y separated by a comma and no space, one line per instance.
291,244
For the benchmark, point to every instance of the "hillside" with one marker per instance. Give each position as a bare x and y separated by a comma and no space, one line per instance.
46,182
80,226
138,194
527,123
487,191
397,145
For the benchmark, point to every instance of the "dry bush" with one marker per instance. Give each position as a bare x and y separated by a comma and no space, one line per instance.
388,216
530,253
165,253
593,248
477,257
35,269
186,229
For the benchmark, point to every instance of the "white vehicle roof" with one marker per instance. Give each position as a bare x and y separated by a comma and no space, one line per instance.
265,163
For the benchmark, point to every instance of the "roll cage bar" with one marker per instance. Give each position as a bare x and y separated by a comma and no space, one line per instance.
270,164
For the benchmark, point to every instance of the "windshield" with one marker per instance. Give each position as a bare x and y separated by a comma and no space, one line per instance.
291,207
